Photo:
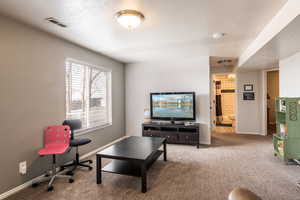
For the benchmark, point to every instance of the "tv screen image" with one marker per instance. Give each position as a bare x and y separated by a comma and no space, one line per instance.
172,106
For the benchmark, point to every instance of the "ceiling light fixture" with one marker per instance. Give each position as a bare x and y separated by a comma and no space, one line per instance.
129,18
218,35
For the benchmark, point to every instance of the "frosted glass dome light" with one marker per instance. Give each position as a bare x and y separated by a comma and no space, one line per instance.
129,19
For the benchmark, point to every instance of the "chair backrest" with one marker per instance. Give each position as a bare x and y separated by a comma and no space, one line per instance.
74,124
58,135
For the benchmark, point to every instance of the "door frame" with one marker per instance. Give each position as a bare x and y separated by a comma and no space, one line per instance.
213,98
264,99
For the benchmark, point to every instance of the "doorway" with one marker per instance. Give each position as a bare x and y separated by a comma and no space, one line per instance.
223,108
272,94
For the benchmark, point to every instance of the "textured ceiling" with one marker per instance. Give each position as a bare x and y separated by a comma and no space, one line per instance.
173,29
283,45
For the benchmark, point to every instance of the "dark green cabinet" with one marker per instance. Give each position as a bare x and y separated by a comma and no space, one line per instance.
286,141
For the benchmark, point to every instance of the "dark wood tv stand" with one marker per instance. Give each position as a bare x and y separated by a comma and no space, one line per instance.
174,133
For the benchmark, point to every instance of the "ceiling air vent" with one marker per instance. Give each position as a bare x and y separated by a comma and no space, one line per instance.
55,21
224,61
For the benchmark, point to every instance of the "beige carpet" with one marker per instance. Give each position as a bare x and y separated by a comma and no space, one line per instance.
208,173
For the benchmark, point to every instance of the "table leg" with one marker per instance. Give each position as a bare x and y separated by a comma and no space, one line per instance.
144,178
165,150
98,170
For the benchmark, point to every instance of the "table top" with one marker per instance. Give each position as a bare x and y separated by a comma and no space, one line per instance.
134,147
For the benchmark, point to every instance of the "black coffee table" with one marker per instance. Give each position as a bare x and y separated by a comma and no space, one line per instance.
132,156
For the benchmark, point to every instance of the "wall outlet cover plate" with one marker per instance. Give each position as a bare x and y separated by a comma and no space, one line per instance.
23,167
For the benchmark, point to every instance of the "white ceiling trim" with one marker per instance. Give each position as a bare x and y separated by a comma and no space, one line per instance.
284,17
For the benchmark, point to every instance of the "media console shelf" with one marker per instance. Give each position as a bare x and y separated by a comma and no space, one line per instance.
174,133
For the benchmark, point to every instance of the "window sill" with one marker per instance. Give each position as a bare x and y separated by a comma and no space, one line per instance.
88,130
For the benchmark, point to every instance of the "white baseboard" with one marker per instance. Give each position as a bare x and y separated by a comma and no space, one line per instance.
30,182
19,188
103,147
205,142
248,133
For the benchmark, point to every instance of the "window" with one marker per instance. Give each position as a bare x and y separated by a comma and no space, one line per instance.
88,94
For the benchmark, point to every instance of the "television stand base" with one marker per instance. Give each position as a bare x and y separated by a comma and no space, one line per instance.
174,133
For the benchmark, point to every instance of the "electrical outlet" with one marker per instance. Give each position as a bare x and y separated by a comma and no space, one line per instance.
23,167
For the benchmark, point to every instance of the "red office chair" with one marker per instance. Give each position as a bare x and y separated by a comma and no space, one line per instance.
57,141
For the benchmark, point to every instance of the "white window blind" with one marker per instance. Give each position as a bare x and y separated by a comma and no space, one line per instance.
87,94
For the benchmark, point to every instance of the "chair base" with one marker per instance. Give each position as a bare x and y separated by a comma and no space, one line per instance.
77,163
51,180
52,176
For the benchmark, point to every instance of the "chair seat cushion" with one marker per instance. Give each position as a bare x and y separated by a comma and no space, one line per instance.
79,142
52,149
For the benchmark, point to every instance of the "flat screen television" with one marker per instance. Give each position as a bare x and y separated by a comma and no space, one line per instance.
173,106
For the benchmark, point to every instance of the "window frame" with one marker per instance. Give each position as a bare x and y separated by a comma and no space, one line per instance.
108,95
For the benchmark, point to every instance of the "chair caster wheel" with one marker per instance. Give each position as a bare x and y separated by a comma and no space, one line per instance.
90,168
90,161
71,180
34,185
51,188
70,173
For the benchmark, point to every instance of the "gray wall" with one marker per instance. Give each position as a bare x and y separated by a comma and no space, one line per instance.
249,113
32,88
289,80
167,76
221,69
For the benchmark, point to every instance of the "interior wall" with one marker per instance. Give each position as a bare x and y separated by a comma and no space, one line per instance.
32,87
221,69
248,113
178,76
289,76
